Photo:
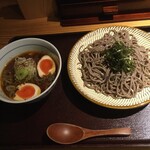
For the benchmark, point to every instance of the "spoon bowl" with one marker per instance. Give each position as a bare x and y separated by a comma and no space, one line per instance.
64,133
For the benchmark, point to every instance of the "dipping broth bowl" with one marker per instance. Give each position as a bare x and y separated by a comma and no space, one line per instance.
25,45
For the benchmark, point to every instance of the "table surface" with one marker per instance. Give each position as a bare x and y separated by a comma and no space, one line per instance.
25,125
10,28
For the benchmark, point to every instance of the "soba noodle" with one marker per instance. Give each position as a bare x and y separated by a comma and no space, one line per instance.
99,76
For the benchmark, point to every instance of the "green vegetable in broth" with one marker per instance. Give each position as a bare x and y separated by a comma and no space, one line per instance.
21,73
25,69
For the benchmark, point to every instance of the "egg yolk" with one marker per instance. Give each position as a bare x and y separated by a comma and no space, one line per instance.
26,92
46,65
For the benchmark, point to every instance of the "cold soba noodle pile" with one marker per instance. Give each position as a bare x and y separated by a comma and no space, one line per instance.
115,65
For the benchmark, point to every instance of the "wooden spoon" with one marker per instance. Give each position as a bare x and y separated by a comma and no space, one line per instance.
64,133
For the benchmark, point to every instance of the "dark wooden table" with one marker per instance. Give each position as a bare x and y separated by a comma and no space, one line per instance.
24,126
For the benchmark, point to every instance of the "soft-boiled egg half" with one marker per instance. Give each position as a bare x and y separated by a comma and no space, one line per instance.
27,91
45,66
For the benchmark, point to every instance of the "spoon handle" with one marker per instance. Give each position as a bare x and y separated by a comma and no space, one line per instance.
107,132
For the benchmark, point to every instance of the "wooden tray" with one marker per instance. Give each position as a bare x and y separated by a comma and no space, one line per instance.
24,126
